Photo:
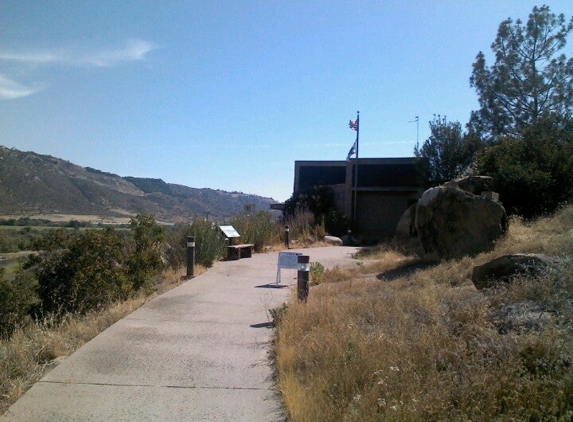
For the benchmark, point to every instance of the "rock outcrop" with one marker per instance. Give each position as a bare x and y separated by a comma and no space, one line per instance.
333,240
472,184
406,227
451,222
502,269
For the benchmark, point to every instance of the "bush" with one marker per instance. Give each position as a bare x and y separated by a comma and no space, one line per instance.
300,224
316,273
17,297
84,273
144,260
318,200
209,243
260,229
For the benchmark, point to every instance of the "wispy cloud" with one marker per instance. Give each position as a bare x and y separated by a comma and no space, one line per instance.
130,51
31,57
10,89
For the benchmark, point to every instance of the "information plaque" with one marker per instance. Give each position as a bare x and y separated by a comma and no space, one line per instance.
229,231
287,260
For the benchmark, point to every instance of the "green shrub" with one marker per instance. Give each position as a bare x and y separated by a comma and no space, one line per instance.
17,297
278,313
260,229
209,243
85,272
144,260
316,273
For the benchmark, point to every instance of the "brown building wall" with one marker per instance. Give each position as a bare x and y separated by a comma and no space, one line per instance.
386,188
379,213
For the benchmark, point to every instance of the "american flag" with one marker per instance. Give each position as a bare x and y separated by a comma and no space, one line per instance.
353,124
352,151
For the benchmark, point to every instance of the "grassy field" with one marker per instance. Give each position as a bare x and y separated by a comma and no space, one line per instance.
398,339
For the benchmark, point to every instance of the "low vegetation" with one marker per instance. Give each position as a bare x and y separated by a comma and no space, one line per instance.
399,339
36,346
79,282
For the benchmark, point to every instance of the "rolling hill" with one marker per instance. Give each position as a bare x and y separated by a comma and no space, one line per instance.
32,184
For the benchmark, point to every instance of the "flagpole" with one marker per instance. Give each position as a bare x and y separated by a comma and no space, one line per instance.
355,215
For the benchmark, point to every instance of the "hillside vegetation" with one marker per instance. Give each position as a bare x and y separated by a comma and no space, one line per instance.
32,184
397,339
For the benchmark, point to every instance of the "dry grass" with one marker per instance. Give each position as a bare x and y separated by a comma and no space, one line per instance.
38,347
393,340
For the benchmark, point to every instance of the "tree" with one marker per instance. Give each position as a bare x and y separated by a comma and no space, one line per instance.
319,200
533,174
447,153
529,78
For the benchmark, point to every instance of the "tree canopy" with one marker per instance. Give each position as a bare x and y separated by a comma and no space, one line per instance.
530,78
447,153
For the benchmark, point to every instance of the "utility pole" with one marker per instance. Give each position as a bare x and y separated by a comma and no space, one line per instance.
417,120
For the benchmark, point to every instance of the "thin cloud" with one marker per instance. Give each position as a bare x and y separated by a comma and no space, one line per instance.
10,89
33,57
132,50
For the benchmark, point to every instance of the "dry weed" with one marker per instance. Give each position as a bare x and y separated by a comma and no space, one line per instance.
393,339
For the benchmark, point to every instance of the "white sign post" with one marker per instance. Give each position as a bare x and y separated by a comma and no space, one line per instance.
288,260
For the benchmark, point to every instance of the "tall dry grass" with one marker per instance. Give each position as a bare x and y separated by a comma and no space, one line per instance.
404,342
37,347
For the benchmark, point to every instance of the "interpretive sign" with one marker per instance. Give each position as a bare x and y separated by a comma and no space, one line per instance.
287,260
229,231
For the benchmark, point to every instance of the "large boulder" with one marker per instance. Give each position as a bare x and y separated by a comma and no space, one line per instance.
406,227
502,269
333,240
472,184
453,223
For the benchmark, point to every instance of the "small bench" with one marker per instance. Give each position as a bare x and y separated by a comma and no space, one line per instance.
244,250
236,250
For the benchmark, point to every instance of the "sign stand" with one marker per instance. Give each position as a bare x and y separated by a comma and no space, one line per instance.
287,260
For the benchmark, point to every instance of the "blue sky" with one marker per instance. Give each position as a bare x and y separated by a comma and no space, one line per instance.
228,94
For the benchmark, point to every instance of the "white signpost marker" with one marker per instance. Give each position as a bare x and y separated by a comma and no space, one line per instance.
287,260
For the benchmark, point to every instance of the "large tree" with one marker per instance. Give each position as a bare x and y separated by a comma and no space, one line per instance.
447,153
529,77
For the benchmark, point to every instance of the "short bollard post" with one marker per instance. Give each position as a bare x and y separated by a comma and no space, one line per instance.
303,277
190,256
287,244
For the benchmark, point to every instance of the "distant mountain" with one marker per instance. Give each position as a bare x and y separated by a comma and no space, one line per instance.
31,183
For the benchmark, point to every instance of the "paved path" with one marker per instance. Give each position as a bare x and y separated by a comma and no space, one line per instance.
197,353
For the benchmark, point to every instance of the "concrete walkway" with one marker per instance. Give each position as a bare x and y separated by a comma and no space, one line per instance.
197,353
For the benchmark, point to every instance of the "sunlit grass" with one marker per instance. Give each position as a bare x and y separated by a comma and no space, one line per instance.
398,339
